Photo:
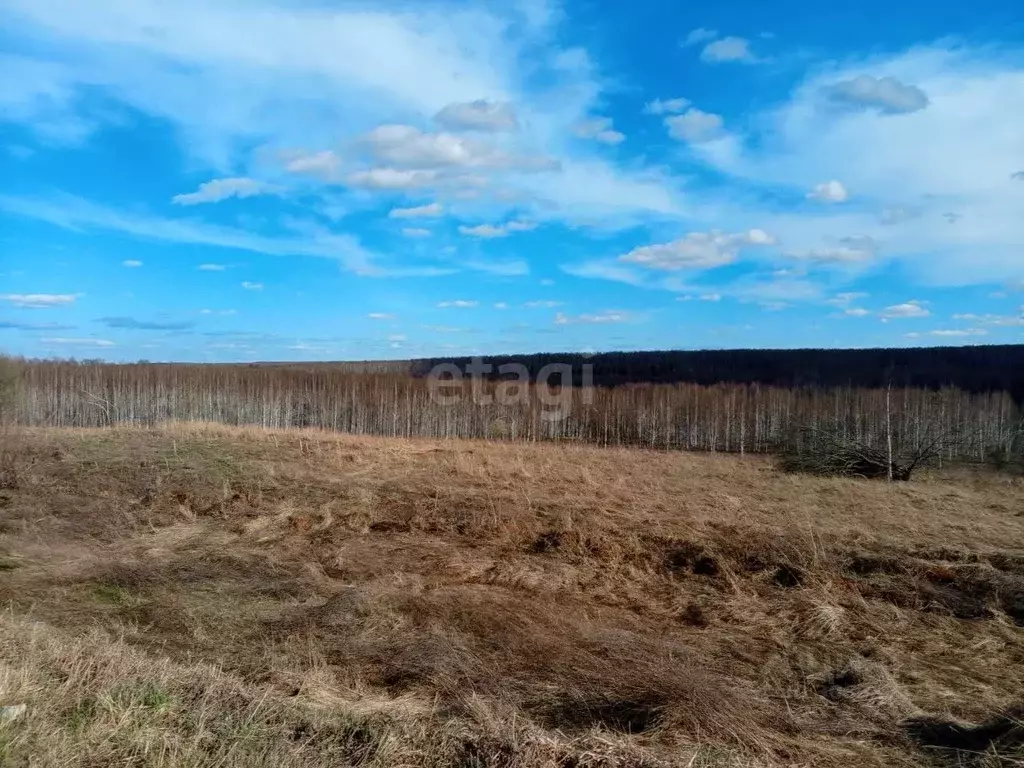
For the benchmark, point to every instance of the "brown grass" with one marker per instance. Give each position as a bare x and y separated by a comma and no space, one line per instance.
202,595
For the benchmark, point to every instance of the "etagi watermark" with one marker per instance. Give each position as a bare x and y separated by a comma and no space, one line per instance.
513,385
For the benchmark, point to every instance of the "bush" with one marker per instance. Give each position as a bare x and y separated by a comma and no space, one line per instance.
830,451
1008,454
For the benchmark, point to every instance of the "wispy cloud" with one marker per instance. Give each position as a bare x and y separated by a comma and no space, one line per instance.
77,214
222,189
40,300
86,342
250,286
608,316
458,304
491,231
132,324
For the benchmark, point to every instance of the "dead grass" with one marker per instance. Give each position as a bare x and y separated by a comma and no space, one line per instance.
202,595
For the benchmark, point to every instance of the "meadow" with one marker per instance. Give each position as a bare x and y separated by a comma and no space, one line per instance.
211,595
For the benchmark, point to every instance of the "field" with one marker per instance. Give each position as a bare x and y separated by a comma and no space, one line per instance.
204,595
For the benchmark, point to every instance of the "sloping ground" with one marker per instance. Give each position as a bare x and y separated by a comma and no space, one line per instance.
197,595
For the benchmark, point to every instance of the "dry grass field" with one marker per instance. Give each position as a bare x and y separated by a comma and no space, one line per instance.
204,596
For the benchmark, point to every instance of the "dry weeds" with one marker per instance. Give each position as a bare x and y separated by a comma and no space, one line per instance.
201,595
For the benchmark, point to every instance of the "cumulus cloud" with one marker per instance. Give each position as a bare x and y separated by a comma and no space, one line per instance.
40,300
599,129
829,192
697,250
491,231
420,211
221,189
695,126
886,94
408,147
666,106
728,49
478,115
910,309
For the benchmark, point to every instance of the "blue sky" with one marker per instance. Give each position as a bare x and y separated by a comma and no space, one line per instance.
291,179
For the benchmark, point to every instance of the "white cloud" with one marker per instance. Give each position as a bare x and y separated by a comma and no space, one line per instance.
228,78
829,192
78,342
911,309
478,115
211,268
417,232
381,316
694,126
407,147
501,305
666,106
420,211
846,298
915,165
712,297
697,250
599,129
728,49
856,312
77,214
458,304
955,333
699,35
252,286
391,178
542,304
849,250
990,319
324,164
222,189
491,231
40,300
131,263
886,94
609,316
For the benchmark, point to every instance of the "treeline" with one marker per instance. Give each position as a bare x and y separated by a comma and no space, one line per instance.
719,417
976,369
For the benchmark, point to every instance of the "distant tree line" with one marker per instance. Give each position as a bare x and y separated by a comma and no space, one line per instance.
976,369
735,417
